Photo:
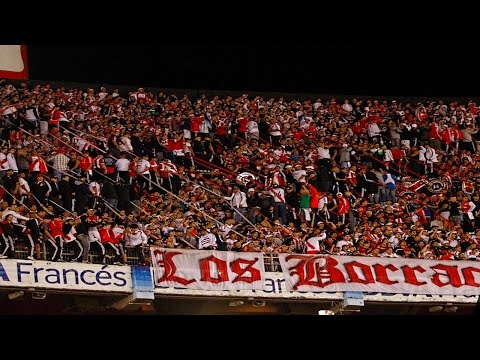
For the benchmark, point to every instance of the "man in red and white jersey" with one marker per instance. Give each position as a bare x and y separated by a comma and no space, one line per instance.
81,143
58,116
9,114
99,167
86,165
166,170
55,229
343,206
141,96
277,177
4,165
70,237
314,243
136,238
153,169
93,223
37,165
110,243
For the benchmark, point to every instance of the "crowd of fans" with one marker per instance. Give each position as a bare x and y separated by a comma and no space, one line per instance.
364,177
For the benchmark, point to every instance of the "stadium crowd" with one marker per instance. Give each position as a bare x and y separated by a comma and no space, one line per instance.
107,172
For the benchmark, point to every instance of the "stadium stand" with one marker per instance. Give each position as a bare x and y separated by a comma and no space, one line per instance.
98,175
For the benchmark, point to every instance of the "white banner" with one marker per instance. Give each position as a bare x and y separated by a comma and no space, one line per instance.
274,289
65,276
317,273
207,270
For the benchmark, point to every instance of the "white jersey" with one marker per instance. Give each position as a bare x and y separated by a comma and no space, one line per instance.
136,238
206,241
313,243
24,187
16,216
4,165
252,126
122,164
94,188
278,195
72,235
323,153
12,162
117,231
238,199
143,167
125,144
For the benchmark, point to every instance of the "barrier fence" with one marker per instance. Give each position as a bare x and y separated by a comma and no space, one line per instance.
271,261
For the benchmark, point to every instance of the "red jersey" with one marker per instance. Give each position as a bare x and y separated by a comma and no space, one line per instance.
105,236
242,124
195,123
343,205
86,163
55,228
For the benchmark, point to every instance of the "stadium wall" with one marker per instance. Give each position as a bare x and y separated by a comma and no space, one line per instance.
133,283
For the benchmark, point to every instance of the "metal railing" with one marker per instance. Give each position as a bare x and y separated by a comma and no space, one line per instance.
21,252
271,261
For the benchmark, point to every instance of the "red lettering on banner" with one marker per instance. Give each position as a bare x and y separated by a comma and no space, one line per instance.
410,276
318,271
166,261
221,269
352,274
236,267
469,277
381,273
451,272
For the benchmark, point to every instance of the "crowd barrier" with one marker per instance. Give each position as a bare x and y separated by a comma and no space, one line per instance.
271,261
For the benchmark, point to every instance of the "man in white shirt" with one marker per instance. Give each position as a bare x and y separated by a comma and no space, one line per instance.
4,165
9,113
374,131
12,162
207,240
12,210
323,151
299,174
346,106
238,200
313,244
252,129
24,187
143,171
122,166
280,209
125,143
136,238
95,189
428,155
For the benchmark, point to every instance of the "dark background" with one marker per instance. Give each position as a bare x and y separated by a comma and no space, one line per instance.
364,69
